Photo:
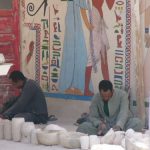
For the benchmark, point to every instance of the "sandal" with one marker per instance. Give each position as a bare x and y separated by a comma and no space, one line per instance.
52,118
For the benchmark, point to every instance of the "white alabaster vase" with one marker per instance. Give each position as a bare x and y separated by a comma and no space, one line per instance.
7,129
129,133
94,139
108,138
138,136
129,143
141,146
119,135
107,147
26,129
132,144
34,139
16,128
123,143
2,58
85,142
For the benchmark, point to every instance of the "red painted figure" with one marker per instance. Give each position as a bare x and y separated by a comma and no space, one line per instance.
31,48
100,42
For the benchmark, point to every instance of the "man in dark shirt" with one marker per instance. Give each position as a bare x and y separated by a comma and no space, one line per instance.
30,104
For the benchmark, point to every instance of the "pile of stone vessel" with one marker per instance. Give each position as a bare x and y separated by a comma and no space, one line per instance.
18,130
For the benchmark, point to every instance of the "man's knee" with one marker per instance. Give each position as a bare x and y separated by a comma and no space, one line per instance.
135,124
87,128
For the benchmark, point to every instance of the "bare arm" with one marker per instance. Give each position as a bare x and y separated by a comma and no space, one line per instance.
142,6
85,18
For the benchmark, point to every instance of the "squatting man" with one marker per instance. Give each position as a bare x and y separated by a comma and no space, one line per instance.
31,102
109,109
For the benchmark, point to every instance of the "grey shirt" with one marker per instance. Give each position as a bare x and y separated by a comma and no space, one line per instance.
118,109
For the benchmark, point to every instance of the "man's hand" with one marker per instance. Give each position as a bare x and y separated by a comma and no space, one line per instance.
3,116
117,128
102,129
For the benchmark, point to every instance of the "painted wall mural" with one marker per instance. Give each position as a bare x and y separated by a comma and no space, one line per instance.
70,45
145,34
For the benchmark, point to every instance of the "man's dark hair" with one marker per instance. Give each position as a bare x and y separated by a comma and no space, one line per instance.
105,85
16,76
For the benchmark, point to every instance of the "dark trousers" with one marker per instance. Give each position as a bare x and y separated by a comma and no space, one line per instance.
31,117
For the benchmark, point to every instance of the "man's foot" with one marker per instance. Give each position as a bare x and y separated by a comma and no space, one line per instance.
88,93
69,91
52,118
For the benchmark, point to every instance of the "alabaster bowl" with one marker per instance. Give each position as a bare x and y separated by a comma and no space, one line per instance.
26,128
70,140
47,137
